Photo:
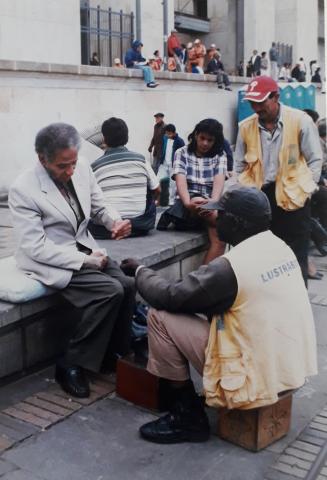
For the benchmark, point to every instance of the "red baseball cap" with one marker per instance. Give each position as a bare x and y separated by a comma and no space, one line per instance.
260,88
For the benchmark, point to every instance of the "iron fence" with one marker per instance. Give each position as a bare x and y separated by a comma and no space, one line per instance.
285,53
105,32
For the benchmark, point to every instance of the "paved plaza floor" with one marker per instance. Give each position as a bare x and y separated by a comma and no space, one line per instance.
100,441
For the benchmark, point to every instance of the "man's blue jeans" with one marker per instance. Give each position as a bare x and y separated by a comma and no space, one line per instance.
147,73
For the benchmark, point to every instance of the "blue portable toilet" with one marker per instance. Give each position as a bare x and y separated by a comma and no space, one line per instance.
296,95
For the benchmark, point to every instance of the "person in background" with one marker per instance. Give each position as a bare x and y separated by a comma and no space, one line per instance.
264,63
273,59
171,142
127,181
174,45
155,146
153,63
184,56
199,172
319,201
278,150
296,73
158,59
316,77
95,59
134,59
303,70
190,57
255,61
285,73
211,51
117,63
199,53
216,67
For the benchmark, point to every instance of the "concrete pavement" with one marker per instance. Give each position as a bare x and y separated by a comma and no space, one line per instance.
100,441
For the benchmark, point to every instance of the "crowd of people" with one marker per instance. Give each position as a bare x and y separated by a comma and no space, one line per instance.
195,57
243,319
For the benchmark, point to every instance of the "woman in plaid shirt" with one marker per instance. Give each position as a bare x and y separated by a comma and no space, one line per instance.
199,171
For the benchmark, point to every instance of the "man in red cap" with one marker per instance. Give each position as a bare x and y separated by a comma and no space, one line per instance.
278,150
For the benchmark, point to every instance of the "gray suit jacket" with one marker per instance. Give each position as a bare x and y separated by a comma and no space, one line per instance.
46,227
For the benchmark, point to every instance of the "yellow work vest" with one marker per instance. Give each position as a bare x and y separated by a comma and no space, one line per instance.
294,181
265,343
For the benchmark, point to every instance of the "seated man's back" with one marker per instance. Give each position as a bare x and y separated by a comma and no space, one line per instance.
125,177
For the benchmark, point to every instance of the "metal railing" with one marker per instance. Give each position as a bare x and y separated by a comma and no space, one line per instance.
105,32
285,53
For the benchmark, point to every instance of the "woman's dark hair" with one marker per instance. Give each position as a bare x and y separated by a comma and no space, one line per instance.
211,127
312,113
115,132
156,52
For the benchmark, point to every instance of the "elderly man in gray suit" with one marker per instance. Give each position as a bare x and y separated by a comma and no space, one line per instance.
51,205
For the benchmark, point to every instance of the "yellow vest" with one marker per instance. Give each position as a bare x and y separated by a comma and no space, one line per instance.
294,181
265,343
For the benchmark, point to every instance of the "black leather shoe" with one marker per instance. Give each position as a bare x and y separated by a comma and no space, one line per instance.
177,427
73,381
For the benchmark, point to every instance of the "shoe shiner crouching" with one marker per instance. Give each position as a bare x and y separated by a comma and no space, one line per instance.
255,337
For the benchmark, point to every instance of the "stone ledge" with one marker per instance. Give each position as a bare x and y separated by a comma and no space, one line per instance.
157,250
90,70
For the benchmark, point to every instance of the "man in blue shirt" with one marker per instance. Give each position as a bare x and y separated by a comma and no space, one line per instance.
134,59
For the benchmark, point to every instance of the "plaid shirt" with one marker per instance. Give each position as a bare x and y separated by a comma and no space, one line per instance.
199,171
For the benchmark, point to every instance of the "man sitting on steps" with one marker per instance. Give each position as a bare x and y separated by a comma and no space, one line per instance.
244,321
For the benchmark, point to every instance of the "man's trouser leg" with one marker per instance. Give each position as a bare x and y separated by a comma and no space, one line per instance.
293,227
106,313
121,336
174,340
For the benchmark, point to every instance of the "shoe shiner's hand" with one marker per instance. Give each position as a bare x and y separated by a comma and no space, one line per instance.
129,266
121,229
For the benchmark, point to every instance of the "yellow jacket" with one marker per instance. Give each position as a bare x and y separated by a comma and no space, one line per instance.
294,181
265,343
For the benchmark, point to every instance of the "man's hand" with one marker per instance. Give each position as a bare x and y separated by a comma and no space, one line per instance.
121,229
129,266
195,204
98,260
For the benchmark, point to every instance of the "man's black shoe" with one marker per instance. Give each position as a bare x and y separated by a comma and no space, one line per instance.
178,426
73,381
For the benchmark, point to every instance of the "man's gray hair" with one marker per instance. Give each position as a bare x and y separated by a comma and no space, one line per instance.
55,137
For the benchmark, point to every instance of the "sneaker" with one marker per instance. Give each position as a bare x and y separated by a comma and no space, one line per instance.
152,85
229,89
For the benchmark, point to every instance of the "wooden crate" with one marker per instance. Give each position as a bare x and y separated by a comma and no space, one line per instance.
135,384
257,428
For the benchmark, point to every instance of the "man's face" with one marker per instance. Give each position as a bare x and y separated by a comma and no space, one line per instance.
204,142
139,48
170,135
158,119
62,167
267,111
224,228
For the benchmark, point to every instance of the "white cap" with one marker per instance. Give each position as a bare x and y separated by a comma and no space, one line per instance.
197,40
213,45
189,45
117,60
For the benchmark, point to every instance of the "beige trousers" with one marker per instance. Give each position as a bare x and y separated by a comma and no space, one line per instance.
175,340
